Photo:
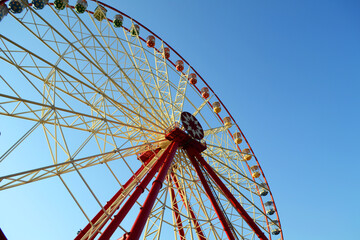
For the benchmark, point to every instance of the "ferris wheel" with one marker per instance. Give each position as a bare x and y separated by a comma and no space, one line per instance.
108,121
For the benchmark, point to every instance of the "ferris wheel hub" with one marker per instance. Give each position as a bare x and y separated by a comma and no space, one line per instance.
192,125
175,133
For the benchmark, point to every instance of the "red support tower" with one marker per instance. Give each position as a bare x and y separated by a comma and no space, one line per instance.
140,221
193,148
231,197
210,195
176,211
199,232
134,196
101,214
2,235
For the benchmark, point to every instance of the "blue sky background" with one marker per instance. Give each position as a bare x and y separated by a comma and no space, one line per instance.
289,73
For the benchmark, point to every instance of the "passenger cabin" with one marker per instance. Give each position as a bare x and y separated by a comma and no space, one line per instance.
192,78
134,30
166,53
205,92
216,107
17,6
246,153
263,189
3,11
269,205
81,6
227,121
150,41
179,65
60,4
118,20
255,171
275,230
39,4
237,138
100,13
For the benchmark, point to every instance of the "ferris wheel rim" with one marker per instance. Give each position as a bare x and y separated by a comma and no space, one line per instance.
203,80
221,119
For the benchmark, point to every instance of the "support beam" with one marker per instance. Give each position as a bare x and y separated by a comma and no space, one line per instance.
143,216
176,211
2,235
231,198
101,213
199,232
108,232
210,195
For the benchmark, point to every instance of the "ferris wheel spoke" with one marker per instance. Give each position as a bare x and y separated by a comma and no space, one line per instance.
216,130
180,95
127,111
140,63
218,161
197,111
37,174
110,56
163,83
18,142
99,68
235,154
74,198
39,112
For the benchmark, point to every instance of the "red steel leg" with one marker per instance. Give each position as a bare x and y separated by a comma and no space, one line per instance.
109,203
199,232
176,212
231,198
218,211
2,235
141,219
132,199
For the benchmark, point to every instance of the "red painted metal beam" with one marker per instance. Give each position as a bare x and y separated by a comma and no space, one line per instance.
231,197
144,213
213,201
176,212
108,205
2,235
108,232
199,232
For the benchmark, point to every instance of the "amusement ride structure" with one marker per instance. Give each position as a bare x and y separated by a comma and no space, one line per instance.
141,143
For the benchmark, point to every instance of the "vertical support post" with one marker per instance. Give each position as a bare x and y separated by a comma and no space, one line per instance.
108,205
231,198
218,211
108,232
142,217
176,211
199,232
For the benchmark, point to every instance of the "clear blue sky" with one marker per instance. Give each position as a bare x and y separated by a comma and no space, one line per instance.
289,72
